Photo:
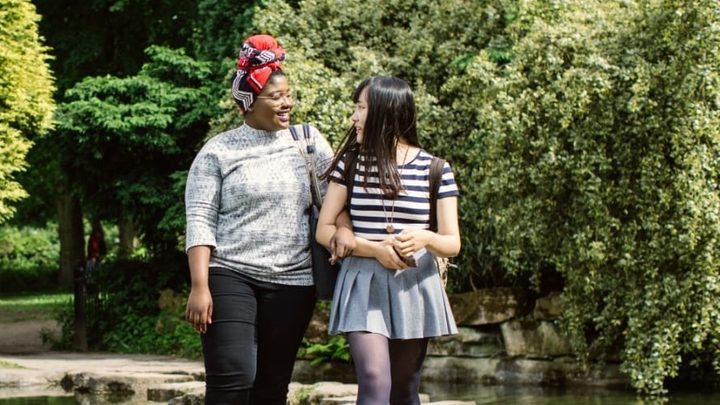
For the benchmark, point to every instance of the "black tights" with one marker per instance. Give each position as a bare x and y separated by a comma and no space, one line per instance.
388,370
250,347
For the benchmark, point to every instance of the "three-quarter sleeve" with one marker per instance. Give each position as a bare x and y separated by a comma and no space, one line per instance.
202,200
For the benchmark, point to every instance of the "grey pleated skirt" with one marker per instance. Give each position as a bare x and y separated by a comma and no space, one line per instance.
404,304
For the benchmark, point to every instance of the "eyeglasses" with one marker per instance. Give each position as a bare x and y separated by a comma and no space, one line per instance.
277,98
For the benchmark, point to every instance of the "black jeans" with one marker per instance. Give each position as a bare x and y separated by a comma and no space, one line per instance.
251,345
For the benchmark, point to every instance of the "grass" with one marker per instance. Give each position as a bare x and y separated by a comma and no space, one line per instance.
31,306
9,364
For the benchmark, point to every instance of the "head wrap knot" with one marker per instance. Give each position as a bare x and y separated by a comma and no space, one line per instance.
259,58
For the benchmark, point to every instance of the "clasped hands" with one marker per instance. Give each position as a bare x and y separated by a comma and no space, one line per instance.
395,252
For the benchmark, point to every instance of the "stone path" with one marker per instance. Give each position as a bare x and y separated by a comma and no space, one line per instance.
129,376
28,368
138,379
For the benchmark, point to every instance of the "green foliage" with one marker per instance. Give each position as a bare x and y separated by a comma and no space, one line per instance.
100,37
25,95
133,307
332,48
222,28
94,38
598,156
28,258
164,333
114,127
335,349
419,41
583,133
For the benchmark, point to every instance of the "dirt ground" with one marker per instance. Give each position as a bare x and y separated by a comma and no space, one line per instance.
21,332
24,337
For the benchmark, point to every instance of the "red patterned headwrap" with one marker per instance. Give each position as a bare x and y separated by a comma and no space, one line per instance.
259,58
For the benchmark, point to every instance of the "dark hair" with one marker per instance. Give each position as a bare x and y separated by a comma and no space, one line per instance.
390,116
273,75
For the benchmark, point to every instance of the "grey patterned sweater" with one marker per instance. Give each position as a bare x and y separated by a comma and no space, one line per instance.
247,197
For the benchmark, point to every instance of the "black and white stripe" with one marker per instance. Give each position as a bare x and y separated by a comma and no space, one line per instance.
412,207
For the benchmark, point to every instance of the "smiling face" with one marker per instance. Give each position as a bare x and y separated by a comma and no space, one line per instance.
271,109
360,115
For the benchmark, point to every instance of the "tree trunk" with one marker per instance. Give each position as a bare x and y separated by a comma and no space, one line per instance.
70,230
126,231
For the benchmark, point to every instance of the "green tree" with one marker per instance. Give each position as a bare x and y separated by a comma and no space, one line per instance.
424,42
98,37
221,28
131,135
92,38
332,48
600,158
26,88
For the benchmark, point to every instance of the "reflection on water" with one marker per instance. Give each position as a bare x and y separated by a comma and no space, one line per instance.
482,395
76,399
528,395
65,400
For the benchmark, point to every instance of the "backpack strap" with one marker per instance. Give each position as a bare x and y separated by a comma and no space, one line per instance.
309,157
307,135
436,170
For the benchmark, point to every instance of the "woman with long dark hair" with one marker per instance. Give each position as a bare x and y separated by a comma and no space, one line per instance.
389,299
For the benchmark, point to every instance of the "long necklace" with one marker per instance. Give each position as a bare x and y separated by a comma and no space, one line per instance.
389,228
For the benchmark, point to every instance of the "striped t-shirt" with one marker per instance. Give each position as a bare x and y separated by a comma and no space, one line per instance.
412,207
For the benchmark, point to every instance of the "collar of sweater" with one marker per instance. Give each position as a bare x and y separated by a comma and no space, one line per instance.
260,132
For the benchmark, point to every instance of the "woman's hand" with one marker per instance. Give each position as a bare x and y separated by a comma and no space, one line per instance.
342,244
410,241
386,255
199,309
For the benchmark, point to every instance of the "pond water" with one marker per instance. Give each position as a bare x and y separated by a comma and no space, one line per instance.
528,395
482,395
65,400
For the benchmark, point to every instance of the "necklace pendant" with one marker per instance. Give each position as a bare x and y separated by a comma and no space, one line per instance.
389,228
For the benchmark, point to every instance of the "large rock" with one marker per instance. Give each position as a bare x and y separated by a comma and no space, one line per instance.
129,387
487,306
518,371
321,393
558,374
332,393
464,370
308,373
534,339
469,342
167,391
548,307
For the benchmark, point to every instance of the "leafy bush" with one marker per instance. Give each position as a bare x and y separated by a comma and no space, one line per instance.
159,115
335,349
137,306
333,48
599,156
28,258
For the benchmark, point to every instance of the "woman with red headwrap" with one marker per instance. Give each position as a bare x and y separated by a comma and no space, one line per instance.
247,198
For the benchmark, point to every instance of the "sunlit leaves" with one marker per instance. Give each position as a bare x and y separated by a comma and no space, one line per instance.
601,159
26,89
